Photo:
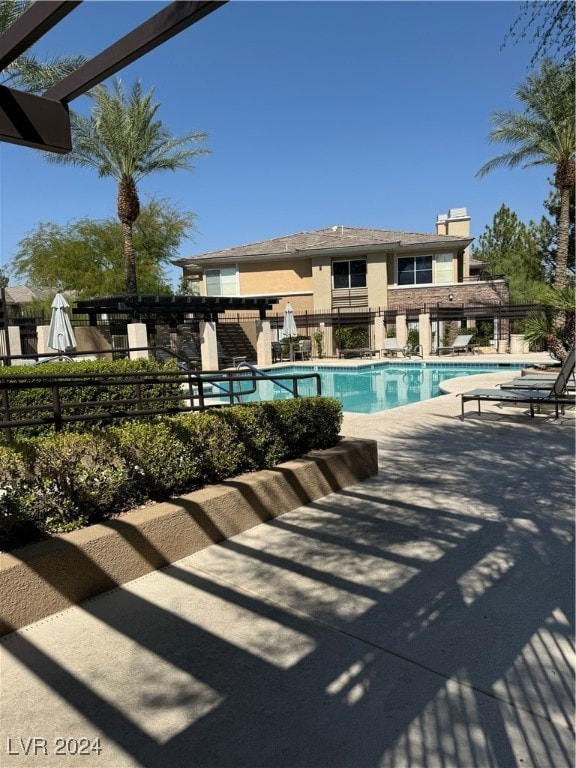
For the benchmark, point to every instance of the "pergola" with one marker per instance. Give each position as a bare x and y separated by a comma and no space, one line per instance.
43,122
137,306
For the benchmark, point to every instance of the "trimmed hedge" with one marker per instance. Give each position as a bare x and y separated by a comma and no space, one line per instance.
85,392
56,483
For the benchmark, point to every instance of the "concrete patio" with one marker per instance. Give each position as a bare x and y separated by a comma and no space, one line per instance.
421,618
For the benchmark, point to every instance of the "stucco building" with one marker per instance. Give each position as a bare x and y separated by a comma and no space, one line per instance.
350,269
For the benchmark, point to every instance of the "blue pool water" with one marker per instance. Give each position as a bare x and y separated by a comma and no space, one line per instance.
375,387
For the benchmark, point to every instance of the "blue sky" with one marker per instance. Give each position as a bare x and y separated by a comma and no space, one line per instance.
365,114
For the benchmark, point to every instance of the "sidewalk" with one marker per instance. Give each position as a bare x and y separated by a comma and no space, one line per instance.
422,618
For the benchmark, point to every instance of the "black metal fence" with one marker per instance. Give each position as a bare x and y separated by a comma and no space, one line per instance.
180,391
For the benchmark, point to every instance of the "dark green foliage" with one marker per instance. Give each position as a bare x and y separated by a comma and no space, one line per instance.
261,445
216,443
85,392
65,481
77,479
353,337
158,456
15,525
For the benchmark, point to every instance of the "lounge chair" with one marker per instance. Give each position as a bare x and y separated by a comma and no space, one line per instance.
532,381
358,352
391,347
460,344
556,395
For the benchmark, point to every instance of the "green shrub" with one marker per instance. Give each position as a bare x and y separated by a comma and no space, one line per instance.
262,445
65,481
305,423
413,337
86,391
79,479
16,525
158,456
352,337
216,443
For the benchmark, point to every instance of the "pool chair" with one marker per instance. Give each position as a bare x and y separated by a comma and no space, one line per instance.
278,353
461,344
533,381
303,350
391,347
556,395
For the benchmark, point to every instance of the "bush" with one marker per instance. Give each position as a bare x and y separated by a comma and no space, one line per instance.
215,441
86,391
79,479
16,526
64,481
353,337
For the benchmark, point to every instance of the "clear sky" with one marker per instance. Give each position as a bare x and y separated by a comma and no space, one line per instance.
363,114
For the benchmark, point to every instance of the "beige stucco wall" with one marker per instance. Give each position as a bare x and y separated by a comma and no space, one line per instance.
322,283
457,223
377,280
275,277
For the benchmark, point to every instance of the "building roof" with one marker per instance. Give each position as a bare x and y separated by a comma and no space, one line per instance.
23,294
331,239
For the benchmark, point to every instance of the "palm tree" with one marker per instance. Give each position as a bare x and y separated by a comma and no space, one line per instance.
543,135
122,139
27,72
544,326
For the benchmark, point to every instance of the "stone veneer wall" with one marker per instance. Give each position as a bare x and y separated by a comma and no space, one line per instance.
478,292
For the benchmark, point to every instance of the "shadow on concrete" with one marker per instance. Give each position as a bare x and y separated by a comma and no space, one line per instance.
421,618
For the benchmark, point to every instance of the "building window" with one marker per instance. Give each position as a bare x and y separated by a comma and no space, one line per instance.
221,282
349,274
444,271
414,270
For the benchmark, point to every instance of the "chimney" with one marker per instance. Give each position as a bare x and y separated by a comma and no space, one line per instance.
455,222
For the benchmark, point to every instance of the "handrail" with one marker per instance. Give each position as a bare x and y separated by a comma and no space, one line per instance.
262,374
58,408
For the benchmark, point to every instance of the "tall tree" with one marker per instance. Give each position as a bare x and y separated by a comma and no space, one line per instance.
549,234
544,134
512,248
28,72
123,140
86,256
551,25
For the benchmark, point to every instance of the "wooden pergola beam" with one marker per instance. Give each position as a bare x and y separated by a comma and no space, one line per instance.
149,35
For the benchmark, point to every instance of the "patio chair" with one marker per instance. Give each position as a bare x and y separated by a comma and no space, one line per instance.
460,344
278,352
304,350
391,347
556,395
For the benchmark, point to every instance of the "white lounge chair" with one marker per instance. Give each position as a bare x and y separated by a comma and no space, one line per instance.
460,344
391,347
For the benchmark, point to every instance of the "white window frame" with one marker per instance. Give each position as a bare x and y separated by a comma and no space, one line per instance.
230,275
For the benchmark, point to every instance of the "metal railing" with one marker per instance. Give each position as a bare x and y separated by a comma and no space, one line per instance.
185,390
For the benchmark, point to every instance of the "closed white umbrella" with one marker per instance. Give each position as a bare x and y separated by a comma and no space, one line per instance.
289,328
60,334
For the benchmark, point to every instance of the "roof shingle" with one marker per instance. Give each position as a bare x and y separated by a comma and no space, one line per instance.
328,238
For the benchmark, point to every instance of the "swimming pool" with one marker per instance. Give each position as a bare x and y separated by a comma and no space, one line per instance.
375,387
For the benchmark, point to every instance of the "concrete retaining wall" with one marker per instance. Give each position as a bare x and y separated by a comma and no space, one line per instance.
49,576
